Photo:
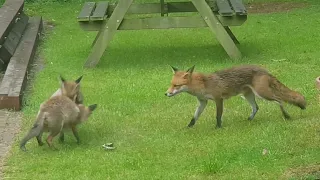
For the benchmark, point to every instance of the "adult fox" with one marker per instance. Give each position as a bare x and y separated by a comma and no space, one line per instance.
249,80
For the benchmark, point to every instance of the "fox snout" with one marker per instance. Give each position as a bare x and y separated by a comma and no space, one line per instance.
171,92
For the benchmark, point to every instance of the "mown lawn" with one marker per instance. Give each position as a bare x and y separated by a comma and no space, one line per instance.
149,129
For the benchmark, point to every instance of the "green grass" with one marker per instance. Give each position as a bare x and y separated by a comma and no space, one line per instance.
149,129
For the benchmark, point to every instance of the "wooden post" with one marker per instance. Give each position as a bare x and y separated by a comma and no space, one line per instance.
216,27
108,31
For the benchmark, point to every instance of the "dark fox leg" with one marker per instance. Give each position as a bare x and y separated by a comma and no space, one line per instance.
199,110
267,94
61,137
284,112
250,97
39,139
75,133
219,106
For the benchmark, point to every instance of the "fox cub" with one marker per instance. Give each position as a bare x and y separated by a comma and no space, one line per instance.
71,89
55,115
249,80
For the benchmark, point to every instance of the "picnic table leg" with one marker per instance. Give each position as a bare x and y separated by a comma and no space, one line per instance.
96,38
216,27
233,37
107,33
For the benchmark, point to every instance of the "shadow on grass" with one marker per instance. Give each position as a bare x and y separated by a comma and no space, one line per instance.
146,57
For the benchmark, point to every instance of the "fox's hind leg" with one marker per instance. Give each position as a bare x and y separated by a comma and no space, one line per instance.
262,89
199,110
39,139
250,97
61,137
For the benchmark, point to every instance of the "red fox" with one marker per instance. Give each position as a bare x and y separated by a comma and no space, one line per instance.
56,114
249,80
70,89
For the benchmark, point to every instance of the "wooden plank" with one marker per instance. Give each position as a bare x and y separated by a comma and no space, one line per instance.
155,8
15,77
160,23
217,28
224,8
11,42
86,11
8,14
162,7
100,11
232,21
238,7
108,32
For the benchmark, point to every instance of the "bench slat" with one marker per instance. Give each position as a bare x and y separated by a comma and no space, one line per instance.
8,13
238,7
24,56
86,11
100,11
11,42
224,8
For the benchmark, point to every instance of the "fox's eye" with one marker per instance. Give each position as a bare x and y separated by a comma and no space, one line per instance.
176,85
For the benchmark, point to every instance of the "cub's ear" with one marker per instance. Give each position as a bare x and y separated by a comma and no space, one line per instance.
174,69
62,79
190,70
79,79
93,107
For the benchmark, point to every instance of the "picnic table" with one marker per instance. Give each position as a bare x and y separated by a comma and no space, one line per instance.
107,18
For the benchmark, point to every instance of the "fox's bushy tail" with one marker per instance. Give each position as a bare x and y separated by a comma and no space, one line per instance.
287,95
34,131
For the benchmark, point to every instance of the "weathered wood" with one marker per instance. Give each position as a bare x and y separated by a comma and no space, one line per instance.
160,23
216,27
162,7
224,8
8,14
86,11
100,11
108,32
11,42
238,7
155,8
15,77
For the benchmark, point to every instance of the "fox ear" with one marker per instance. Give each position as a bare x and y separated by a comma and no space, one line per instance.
174,69
79,79
92,107
190,70
62,79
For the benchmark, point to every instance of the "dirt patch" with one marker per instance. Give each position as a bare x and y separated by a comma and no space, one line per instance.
272,7
9,127
311,171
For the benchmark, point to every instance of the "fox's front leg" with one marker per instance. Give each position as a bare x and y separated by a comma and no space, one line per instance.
61,137
199,110
75,133
219,106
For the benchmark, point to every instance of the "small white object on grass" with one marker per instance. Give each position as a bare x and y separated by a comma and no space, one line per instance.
265,152
108,146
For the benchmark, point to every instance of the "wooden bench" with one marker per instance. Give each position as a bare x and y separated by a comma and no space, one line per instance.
107,18
19,36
